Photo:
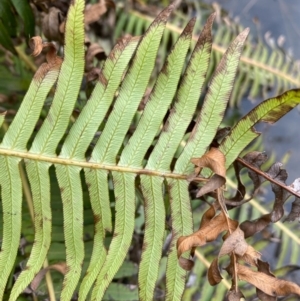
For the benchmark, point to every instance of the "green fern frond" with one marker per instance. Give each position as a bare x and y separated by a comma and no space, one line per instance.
149,154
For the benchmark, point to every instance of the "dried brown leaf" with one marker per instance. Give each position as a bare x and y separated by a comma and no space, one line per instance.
93,74
213,274
234,243
53,25
256,159
53,61
94,51
241,189
37,45
214,183
93,12
281,195
209,214
264,267
251,256
266,283
60,267
208,232
295,211
213,159
233,295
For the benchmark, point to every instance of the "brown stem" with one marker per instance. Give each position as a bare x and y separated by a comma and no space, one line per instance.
235,274
267,177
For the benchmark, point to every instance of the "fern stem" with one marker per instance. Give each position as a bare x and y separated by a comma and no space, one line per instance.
266,176
93,165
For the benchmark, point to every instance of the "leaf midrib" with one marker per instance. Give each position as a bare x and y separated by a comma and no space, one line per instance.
91,165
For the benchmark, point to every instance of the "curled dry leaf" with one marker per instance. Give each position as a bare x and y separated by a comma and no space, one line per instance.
59,267
264,267
266,283
53,25
241,189
37,45
94,51
213,159
220,135
93,12
213,274
93,74
295,211
207,232
214,183
209,214
53,61
281,195
233,295
236,243
251,256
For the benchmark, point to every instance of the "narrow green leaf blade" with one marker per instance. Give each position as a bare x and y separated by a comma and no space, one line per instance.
2,118
42,224
24,10
11,197
93,113
214,106
25,120
124,227
5,39
8,18
243,132
17,137
159,101
97,183
154,234
182,224
185,104
71,194
132,90
68,84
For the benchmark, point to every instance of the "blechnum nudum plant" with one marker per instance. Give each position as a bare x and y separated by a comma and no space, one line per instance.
153,157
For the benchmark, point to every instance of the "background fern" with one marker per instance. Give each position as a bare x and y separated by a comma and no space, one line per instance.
264,71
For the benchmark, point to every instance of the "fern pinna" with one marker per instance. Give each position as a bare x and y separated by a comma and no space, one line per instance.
156,155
